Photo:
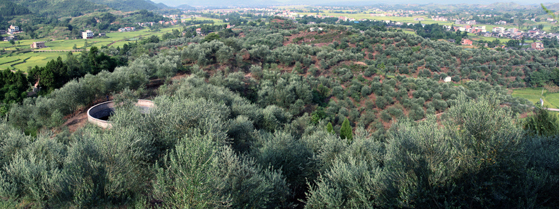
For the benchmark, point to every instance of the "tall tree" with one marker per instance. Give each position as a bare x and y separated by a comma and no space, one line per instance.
346,130
329,128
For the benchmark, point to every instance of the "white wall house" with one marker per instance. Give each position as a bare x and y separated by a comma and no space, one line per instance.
87,34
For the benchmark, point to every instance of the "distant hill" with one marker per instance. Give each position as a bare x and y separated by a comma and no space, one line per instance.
230,3
184,6
60,7
130,5
74,7
8,8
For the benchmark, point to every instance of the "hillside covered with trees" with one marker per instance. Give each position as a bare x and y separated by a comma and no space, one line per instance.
283,115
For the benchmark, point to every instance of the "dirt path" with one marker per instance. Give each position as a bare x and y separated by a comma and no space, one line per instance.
76,122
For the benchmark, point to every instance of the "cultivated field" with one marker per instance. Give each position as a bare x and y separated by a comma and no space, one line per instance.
534,94
216,21
22,61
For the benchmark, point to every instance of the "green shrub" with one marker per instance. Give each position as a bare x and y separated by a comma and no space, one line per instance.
385,116
541,123
346,131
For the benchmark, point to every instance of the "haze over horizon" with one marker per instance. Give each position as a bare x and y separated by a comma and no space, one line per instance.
328,2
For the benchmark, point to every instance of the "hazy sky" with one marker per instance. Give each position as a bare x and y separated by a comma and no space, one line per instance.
323,2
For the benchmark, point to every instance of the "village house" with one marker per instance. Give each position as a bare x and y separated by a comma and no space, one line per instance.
88,34
501,22
38,45
127,29
9,38
537,46
13,29
439,18
498,29
466,42
101,35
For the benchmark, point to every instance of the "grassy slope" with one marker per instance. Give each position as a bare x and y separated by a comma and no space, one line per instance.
534,94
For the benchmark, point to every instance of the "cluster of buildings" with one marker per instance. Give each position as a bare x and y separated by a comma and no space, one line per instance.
534,46
126,29
172,22
468,22
12,30
469,29
501,22
9,38
145,24
514,33
396,13
438,18
174,17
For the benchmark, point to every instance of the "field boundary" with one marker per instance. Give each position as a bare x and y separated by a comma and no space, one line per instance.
17,63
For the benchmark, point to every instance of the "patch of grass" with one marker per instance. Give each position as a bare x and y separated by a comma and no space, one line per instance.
33,59
534,95
553,99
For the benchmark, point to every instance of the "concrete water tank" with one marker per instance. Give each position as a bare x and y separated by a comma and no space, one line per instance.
99,113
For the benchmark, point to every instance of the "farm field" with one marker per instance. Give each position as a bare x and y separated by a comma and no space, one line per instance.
216,21
62,44
534,94
31,59
41,59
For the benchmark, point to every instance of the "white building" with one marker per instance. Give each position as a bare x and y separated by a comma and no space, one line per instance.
13,29
87,34
471,22
498,29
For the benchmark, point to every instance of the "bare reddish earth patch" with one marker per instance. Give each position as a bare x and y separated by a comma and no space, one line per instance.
76,122
361,63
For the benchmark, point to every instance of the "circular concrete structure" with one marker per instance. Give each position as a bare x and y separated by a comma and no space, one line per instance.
99,113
